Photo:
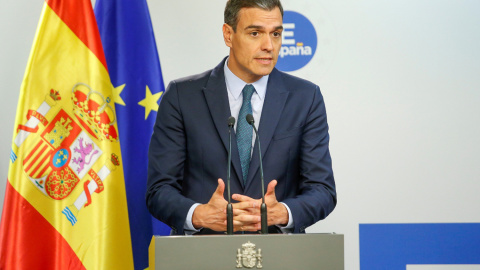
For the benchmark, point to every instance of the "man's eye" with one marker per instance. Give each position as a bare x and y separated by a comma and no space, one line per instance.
277,34
254,34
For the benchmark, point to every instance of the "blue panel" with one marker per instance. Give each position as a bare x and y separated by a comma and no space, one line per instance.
393,246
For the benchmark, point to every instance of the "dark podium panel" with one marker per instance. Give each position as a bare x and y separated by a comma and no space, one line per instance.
273,251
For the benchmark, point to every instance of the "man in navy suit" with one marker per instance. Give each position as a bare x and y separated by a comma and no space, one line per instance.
189,147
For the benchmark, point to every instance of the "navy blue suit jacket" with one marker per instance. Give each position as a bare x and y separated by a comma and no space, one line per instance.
188,149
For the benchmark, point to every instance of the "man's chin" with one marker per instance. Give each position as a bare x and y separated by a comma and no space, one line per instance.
263,71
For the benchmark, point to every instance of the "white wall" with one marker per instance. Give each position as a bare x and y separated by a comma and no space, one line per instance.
401,81
18,23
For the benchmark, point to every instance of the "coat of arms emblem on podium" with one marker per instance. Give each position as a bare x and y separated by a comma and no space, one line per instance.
248,257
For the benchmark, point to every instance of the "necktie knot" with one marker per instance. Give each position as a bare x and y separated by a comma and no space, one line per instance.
248,92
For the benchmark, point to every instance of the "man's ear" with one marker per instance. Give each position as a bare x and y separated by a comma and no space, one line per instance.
227,34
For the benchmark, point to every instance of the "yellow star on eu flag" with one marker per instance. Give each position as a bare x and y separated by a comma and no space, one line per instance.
116,94
150,102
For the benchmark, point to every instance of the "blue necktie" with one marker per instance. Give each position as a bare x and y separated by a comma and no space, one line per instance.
244,131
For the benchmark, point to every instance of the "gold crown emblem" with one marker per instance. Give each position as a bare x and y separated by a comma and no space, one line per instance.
94,112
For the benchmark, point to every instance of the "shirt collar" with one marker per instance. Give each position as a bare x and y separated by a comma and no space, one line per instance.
235,85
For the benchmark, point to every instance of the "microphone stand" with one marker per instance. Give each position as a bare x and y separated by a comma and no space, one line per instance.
231,123
263,207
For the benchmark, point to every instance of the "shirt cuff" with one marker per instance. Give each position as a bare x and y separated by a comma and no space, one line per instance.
188,226
288,228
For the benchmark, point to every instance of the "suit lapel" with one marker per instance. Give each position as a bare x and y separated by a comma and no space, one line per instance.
275,99
216,96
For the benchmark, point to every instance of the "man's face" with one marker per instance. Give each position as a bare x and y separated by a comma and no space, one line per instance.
254,47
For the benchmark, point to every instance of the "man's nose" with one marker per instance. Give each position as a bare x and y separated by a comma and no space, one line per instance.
267,43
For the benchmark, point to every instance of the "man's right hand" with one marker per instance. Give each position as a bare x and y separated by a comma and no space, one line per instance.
212,215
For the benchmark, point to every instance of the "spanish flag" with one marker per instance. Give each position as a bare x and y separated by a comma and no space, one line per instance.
65,204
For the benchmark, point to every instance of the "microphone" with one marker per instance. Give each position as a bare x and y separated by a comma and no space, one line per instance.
263,207
231,123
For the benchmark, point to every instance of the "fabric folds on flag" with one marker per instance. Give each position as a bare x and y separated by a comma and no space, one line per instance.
65,205
130,49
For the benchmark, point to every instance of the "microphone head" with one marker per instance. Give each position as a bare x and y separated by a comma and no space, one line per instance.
231,121
249,119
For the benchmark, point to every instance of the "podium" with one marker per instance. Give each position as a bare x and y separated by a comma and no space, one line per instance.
274,251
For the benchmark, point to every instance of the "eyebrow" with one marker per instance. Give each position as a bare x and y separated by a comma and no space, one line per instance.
280,27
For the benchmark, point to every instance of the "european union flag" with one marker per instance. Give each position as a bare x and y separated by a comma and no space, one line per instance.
132,59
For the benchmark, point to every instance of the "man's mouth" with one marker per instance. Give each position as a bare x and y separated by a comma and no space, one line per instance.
264,60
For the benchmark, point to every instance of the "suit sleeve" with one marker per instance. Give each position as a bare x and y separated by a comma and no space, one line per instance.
317,195
166,158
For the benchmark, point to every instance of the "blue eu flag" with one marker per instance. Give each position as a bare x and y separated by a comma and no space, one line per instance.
129,44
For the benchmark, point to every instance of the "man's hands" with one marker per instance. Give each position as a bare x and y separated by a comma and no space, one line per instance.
246,213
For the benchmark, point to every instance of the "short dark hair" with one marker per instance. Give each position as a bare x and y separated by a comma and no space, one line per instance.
233,7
